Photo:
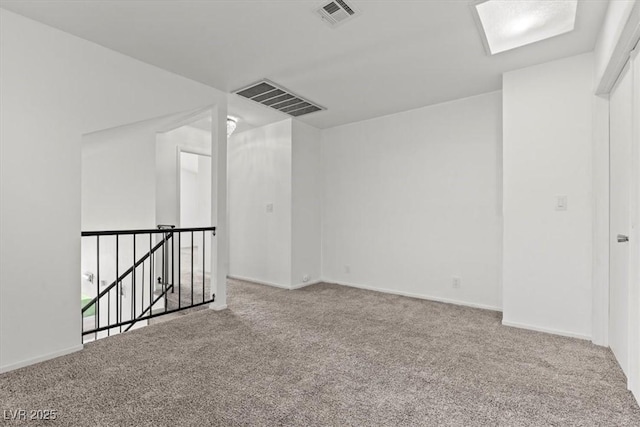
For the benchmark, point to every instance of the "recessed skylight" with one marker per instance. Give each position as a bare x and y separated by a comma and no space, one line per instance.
510,24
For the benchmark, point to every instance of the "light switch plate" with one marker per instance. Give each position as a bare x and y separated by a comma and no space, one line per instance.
561,203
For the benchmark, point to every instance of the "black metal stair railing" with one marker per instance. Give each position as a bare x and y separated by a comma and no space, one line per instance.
160,260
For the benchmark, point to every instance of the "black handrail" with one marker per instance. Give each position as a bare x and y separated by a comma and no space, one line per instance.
126,273
147,231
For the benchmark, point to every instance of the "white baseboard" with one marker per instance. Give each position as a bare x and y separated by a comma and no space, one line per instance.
304,284
258,281
275,285
546,330
217,307
413,295
38,359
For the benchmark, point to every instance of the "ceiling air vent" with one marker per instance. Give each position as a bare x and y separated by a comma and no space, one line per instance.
336,12
267,93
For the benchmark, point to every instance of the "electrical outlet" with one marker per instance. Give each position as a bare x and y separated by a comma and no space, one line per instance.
347,269
455,283
270,208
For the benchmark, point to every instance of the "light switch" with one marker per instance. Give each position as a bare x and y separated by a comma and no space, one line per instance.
561,203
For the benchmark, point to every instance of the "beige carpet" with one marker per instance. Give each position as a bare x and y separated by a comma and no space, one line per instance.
328,355
183,297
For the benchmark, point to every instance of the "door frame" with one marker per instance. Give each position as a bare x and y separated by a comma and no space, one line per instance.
634,232
601,233
188,150
623,51
629,36
626,216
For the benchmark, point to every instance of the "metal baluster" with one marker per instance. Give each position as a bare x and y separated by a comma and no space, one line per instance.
203,264
97,307
173,262
164,276
109,312
118,282
142,289
192,268
133,282
150,273
179,270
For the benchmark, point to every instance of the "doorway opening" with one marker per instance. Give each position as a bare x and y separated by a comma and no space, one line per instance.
195,207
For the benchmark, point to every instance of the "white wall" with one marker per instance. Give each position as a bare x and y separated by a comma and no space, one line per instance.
547,153
54,88
259,170
412,200
204,190
167,162
600,237
119,177
306,203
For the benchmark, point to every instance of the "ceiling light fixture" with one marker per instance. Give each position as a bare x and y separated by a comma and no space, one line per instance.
506,25
232,123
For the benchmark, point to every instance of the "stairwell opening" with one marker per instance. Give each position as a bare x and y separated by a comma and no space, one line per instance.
145,258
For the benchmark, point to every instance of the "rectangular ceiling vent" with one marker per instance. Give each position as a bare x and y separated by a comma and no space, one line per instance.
336,12
267,93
